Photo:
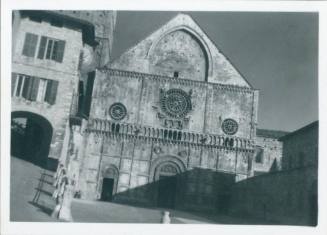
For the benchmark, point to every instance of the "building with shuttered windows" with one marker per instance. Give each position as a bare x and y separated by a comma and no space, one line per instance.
52,75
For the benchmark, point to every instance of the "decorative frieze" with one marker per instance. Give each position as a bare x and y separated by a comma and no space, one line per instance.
180,81
105,128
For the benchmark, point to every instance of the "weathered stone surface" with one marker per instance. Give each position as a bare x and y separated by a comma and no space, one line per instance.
288,196
146,139
300,148
142,141
66,73
196,45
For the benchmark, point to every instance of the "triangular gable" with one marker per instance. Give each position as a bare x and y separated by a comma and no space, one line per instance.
140,57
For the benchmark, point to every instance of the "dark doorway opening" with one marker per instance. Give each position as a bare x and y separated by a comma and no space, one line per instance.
107,189
167,191
31,136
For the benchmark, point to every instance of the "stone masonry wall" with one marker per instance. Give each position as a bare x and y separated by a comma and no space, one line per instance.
66,73
197,49
287,197
179,52
272,154
104,24
301,147
207,172
211,104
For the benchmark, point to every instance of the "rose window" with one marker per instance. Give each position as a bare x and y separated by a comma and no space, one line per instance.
117,111
176,103
229,126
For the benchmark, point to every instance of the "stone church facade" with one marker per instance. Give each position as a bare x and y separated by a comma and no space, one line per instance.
170,123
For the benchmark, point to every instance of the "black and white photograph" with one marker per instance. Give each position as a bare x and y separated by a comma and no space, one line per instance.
163,117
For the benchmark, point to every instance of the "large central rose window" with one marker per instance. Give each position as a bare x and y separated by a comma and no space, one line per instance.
176,103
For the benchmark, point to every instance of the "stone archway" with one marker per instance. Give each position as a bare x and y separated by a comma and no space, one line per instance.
31,135
109,181
165,159
165,177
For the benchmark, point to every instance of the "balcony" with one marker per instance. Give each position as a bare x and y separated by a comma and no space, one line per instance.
125,130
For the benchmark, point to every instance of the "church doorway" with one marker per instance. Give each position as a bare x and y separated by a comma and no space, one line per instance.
107,189
109,183
31,136
167,185
167,191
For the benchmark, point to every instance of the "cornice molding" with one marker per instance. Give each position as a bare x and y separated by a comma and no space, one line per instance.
181,81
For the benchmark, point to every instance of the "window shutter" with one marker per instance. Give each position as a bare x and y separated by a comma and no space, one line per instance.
55,50
19,85
30,44
13,82
27,87
34,88
51,91
42,47
60,51
49,49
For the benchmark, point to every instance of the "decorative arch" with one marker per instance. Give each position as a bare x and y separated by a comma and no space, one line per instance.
159,162
109,171
31,136
203,44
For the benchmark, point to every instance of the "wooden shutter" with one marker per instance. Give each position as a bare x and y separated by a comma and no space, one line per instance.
30,44
34,88
60,51
49,49
19,85
42,47
55,50
27,87
51,91
13,82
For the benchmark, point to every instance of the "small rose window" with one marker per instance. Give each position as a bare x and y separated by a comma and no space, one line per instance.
229,126
117,111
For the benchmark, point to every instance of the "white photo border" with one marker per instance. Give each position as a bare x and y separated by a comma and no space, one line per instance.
20,228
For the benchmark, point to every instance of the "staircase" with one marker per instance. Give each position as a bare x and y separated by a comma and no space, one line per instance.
43,192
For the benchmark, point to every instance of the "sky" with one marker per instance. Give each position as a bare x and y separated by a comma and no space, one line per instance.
276,52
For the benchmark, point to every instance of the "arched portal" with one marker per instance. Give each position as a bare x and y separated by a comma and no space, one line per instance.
166,175
109,183
31,136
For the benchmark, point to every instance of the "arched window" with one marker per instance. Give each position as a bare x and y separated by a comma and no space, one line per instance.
175,135
179,137
170,135
165,134
231,143
117,128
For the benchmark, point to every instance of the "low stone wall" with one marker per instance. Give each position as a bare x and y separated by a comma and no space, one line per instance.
284,197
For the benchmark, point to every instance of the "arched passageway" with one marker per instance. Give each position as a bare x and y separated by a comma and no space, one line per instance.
31,136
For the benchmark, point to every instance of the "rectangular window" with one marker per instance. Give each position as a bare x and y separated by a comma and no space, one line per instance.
30,44
34,88
51,49
48,48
